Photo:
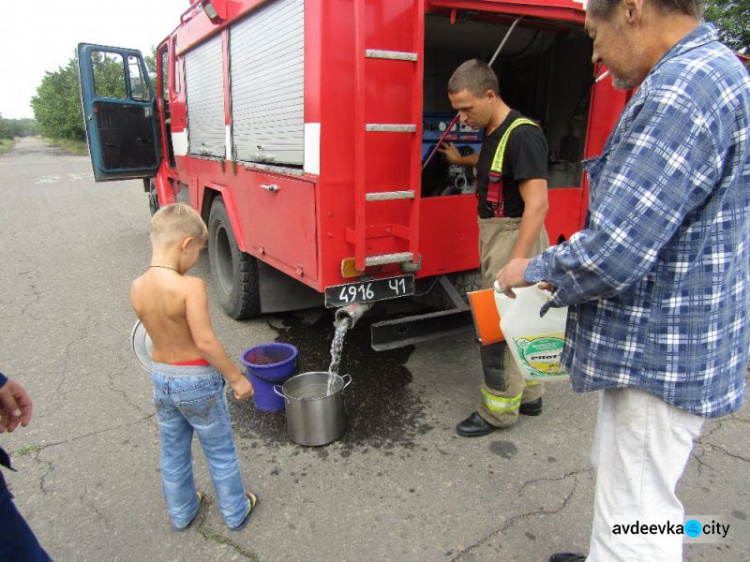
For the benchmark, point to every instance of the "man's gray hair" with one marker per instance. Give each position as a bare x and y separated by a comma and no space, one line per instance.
604,8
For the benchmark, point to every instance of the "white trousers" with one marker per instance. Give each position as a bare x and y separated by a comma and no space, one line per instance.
641,448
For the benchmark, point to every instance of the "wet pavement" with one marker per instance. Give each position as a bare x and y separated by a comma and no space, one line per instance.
382,408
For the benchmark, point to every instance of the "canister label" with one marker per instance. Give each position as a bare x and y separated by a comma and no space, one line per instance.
541,354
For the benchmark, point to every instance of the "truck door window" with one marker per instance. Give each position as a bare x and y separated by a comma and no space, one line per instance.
109,77
165,75
176,74
139,91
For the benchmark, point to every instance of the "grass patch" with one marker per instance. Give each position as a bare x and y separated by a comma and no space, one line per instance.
79,148
217,538
27,450
6,144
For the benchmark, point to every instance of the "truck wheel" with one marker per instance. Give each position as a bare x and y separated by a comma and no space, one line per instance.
465,281
153,200
235,273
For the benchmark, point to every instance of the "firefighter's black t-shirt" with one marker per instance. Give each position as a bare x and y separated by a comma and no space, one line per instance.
525,159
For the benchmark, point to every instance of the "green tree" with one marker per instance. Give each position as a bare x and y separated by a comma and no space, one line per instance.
5,131
57,107
109,76
10,128
731,18
150,61
29,127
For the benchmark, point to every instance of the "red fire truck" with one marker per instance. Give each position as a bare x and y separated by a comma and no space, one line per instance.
302,131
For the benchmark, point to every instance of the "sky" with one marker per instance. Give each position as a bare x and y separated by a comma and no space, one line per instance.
42,36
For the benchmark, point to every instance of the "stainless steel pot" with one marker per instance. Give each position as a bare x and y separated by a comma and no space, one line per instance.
314,417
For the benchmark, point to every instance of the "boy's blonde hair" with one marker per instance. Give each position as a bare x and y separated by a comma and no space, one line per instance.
174,222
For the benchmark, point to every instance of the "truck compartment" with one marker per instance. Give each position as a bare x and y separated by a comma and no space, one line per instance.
544,71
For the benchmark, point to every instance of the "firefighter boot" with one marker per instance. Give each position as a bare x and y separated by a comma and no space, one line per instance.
500,400
505,393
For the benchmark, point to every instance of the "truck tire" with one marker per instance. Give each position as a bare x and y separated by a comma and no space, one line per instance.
235,273
153,200
465,281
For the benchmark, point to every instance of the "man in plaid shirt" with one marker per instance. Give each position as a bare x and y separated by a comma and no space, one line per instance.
657,281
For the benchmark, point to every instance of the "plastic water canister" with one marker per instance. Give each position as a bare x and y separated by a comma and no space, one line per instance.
536,343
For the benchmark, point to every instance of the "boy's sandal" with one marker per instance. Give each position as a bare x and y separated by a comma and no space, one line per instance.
252,501
199,495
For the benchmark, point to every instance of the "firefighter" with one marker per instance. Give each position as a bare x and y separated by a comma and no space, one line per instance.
512,205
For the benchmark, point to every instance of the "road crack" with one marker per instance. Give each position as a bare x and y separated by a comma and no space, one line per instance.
509,522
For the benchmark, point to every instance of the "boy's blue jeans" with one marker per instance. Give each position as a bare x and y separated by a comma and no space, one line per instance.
192,399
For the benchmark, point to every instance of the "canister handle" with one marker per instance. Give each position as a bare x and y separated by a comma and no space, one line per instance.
348,382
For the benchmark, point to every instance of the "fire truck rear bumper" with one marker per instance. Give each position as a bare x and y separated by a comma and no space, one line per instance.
392,334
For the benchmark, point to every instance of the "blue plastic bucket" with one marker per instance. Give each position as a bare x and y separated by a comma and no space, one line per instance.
268,364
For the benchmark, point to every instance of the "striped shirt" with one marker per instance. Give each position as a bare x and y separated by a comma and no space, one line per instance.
657,281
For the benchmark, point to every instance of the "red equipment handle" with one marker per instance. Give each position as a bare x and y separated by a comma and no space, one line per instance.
440,142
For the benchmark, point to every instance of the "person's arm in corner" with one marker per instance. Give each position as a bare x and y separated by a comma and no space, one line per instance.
199,320
15,405
453,156
534,195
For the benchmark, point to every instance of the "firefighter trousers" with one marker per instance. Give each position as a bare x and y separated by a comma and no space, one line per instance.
504,388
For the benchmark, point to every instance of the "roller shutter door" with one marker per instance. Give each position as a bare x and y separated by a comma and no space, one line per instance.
267,84
204,83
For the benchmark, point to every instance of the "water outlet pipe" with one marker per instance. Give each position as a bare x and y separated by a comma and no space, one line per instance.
352,312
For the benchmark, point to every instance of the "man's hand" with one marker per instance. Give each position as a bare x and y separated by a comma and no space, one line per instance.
242,388
511,276
15,406
451,153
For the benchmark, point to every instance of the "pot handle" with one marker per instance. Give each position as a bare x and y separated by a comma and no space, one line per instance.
276,388
348,379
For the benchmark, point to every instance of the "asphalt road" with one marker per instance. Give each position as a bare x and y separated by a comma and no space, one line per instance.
400,485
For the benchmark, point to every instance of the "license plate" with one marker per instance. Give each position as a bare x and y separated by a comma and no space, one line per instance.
370,291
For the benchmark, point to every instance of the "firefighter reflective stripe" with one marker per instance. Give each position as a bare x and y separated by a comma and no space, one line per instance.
497,161
495,186
499,404
531,383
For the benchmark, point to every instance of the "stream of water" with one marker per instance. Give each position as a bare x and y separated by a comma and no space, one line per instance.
337,347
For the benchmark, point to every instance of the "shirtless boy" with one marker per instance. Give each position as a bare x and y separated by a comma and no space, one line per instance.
190,367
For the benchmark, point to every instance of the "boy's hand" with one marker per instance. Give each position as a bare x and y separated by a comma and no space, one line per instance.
242,389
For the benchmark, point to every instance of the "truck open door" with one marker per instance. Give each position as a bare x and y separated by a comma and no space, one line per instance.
118,105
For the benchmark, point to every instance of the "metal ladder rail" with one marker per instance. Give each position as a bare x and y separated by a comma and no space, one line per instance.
359,136
362,128
415,176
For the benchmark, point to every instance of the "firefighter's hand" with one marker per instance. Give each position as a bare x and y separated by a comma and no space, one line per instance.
15,406
451,153
512,276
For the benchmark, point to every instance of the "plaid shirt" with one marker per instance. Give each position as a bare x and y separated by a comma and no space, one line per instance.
657,282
